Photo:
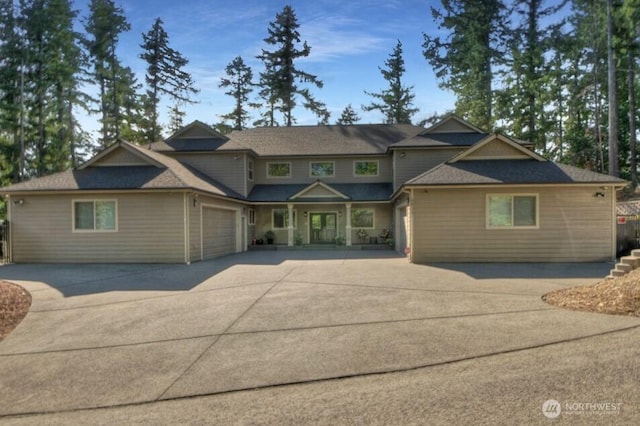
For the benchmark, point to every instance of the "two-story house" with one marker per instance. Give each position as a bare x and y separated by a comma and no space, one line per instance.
448,193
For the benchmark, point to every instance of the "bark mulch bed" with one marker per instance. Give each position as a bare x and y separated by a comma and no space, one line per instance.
618,296
14,305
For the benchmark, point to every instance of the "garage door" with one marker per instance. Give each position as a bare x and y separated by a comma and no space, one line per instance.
403,226
218,232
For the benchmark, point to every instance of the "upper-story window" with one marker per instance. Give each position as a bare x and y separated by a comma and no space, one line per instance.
365,168
278,170
322,168
250,170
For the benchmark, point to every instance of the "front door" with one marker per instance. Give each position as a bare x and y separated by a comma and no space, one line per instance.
323,227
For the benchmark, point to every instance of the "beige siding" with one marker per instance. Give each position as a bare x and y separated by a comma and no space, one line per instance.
383,219
450,225
228,169
150,229
496,150
300,171
218,232
416,162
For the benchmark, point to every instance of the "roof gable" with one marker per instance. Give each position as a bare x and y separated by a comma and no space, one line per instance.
453,123
497,147
197,130
319,189
120,154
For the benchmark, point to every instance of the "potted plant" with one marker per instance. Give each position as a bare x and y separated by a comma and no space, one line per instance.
385,237
269,236
362,235
298,239
340,240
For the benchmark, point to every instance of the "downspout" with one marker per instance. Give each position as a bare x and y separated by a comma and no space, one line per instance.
412,215
187,255
614,223
9,246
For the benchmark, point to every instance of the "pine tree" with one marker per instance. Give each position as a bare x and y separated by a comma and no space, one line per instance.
103,27
526,83
50,89
348,116
240,85
396,101
279,81
165,74
11,72
464,59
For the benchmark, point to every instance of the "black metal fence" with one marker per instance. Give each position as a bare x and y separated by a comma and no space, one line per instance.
4,241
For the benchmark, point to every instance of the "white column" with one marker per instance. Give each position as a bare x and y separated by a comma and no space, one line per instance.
348,222
290,225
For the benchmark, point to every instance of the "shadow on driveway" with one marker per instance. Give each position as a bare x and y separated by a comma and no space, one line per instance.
83,279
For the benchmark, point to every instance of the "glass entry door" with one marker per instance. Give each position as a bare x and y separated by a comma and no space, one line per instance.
323,227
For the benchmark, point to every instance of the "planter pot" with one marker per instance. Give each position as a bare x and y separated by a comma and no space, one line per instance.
269,240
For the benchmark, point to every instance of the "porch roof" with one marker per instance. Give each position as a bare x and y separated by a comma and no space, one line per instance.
359,192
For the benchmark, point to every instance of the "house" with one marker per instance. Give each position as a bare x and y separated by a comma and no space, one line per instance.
448,193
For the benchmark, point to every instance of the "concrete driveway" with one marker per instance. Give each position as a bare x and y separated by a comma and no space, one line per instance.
312,337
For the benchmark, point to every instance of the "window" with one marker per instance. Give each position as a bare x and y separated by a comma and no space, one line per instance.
365,168
251,217
512,211
280,217
322,168
95,215
278,170
363,218
250,170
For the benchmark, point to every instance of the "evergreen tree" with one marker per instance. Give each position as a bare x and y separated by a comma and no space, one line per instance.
165,74
281,77
50,88
464,59
526,82
103,27
239,84
348,116
396,101
11,69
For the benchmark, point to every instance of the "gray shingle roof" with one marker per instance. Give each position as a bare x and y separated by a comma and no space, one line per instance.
355,192
324,140
172,175
508,172
453,139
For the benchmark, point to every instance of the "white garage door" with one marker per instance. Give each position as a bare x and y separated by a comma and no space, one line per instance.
218,232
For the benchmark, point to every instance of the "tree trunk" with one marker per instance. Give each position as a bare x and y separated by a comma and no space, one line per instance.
631,78
614,164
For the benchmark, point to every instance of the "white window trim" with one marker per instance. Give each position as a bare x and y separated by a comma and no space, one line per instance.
94,230
295,220
250,169
373,211
512,227
317,162
278,177
251,217
366,161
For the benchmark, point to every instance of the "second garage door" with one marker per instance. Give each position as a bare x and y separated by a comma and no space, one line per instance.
218,232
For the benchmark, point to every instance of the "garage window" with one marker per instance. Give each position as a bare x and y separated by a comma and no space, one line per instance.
280,218
94,216
512,211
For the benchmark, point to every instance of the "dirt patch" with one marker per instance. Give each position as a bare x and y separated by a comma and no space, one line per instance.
14,305
619,296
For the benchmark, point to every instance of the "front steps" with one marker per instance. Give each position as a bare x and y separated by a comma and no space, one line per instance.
626,264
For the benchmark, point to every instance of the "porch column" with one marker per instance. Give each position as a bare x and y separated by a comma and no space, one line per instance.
290,225
348,223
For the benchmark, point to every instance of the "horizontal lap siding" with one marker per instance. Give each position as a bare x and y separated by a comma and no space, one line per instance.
343,169
449,225
150,229
416,162
227,169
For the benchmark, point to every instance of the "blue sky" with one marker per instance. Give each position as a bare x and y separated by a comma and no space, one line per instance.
349,40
